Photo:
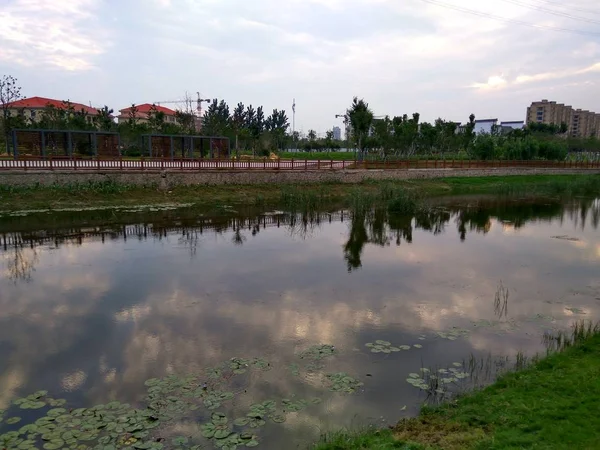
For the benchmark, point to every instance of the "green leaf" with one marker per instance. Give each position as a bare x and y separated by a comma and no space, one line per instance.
278,418
222,434
13,420
241,422
252,443
180,440
55,444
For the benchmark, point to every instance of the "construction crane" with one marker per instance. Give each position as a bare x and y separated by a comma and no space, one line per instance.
188,103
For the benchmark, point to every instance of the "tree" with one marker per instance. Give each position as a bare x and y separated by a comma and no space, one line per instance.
216,119
156,119
238,119
10,92
329,142
186,120
132,116
361,119
277,124
104,120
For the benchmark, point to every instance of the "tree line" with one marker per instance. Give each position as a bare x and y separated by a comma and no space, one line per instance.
251,130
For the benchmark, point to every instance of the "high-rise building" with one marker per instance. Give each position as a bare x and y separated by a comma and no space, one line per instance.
580,123
337,133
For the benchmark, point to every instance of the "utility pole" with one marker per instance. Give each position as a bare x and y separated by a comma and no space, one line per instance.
294,123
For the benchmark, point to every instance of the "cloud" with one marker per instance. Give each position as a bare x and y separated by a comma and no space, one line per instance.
51,33
501,82
401,56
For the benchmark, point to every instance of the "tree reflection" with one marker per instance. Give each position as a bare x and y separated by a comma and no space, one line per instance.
21,263
368,225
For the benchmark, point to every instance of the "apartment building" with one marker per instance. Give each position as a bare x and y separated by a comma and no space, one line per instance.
33,108
580,123
142,112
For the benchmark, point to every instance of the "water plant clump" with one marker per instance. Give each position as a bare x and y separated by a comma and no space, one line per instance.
342,382
380,346
453,333
436,382
168,401
318,352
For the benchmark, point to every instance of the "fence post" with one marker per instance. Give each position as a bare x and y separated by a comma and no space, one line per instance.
306,164
43,143
343,164
51,163
318,164
142,163
278,164
121,162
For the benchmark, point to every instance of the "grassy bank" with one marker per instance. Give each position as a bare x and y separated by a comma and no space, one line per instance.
108,194
552,404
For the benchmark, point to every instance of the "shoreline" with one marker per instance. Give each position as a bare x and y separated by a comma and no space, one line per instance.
551,403
110,194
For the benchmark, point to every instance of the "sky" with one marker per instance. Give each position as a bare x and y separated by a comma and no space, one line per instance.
401,56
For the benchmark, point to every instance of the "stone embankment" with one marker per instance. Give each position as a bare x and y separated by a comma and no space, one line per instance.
167,179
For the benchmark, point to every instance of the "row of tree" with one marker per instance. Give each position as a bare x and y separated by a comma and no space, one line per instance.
250,129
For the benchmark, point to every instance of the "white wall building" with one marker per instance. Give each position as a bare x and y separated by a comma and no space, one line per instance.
484,126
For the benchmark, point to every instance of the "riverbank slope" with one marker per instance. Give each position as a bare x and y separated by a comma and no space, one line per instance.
109,194
552,404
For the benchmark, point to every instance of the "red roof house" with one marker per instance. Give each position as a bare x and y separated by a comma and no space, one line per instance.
143,110
37,103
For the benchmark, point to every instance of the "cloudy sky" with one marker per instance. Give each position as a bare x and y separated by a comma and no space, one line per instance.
402,56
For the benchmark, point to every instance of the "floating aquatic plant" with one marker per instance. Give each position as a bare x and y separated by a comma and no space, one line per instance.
453,334
342,382
380,346
317,352
238,365
437,382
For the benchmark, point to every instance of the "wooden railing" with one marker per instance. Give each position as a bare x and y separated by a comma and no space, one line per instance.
157,164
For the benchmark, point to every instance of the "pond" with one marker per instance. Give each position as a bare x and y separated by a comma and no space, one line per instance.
231,330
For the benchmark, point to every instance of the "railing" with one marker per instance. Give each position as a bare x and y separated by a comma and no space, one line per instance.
185,165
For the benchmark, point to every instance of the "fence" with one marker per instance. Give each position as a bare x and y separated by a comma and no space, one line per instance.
184,146
61,143
160,164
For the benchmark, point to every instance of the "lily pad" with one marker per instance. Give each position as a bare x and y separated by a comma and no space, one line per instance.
342,382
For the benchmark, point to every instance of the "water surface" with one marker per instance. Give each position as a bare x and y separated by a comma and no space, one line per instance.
90,313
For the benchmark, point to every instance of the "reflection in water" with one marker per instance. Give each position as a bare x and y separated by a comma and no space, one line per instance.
90,313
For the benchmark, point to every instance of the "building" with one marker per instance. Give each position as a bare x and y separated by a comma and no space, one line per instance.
337,133
513,124
32,108
580,123
485,126
143,111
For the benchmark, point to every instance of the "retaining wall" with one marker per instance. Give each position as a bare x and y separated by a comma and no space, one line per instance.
168,179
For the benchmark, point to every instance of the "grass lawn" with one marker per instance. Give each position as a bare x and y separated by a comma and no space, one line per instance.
108,194
553,404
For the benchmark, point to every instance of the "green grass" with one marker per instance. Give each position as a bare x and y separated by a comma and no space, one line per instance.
106,194
336,156
552,404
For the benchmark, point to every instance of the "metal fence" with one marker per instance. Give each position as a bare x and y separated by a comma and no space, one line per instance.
64,143
184,146
184,164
